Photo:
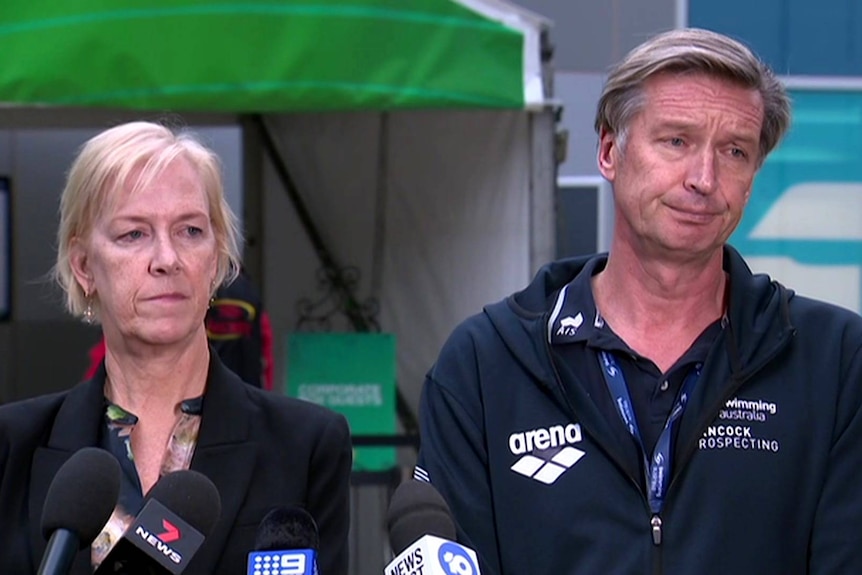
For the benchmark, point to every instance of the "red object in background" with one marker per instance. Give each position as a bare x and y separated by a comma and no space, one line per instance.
266,351
97,354
238,330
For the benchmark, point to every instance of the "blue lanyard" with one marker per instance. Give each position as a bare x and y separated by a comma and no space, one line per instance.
657,468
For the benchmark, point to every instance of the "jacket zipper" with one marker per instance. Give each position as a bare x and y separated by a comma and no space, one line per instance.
655,518
655,525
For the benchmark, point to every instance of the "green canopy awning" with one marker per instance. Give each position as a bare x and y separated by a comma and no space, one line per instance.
275,55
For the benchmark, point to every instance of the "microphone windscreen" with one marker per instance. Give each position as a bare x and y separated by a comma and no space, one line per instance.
191,495
82,495
416,509
286,528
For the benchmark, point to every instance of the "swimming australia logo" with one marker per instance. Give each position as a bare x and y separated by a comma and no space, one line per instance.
569,325
546,452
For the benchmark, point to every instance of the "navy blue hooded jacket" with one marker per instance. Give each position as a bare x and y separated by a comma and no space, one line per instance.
767,462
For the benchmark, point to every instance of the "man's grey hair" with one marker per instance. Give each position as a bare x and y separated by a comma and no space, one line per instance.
691,50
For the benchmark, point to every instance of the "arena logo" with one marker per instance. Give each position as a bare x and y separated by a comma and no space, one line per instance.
546,453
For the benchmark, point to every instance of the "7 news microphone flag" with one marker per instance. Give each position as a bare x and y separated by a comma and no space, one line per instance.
179,512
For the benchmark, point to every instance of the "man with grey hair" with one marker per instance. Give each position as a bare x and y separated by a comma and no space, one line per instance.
659,408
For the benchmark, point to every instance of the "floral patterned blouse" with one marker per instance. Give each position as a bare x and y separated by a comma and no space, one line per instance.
119,424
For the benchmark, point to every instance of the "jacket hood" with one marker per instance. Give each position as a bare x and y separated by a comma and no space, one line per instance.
758,314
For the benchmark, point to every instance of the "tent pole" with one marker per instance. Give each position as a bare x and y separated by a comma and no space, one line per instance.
341,280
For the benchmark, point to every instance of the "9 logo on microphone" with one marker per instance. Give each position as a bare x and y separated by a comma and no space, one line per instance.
277,563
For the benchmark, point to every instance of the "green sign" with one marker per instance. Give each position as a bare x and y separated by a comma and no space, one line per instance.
353,374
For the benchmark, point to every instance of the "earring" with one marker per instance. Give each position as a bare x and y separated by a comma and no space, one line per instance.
212,293
89,316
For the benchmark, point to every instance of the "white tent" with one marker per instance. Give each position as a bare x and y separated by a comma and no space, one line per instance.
427,184
419,136
440,211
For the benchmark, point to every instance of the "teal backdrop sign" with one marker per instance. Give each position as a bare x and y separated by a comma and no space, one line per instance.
353,374
803,223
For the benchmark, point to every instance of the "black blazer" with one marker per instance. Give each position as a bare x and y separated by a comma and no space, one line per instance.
261,449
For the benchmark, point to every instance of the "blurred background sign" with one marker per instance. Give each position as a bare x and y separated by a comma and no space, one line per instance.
803,223
353,374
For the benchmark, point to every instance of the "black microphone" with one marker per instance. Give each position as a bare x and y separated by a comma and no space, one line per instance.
422,534
416,509
287,541
178,513
79,502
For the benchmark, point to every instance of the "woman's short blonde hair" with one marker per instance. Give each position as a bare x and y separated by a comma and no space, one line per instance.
104,166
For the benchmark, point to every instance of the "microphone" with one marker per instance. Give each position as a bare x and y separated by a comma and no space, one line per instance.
178,513
286,544
79,502
422,534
